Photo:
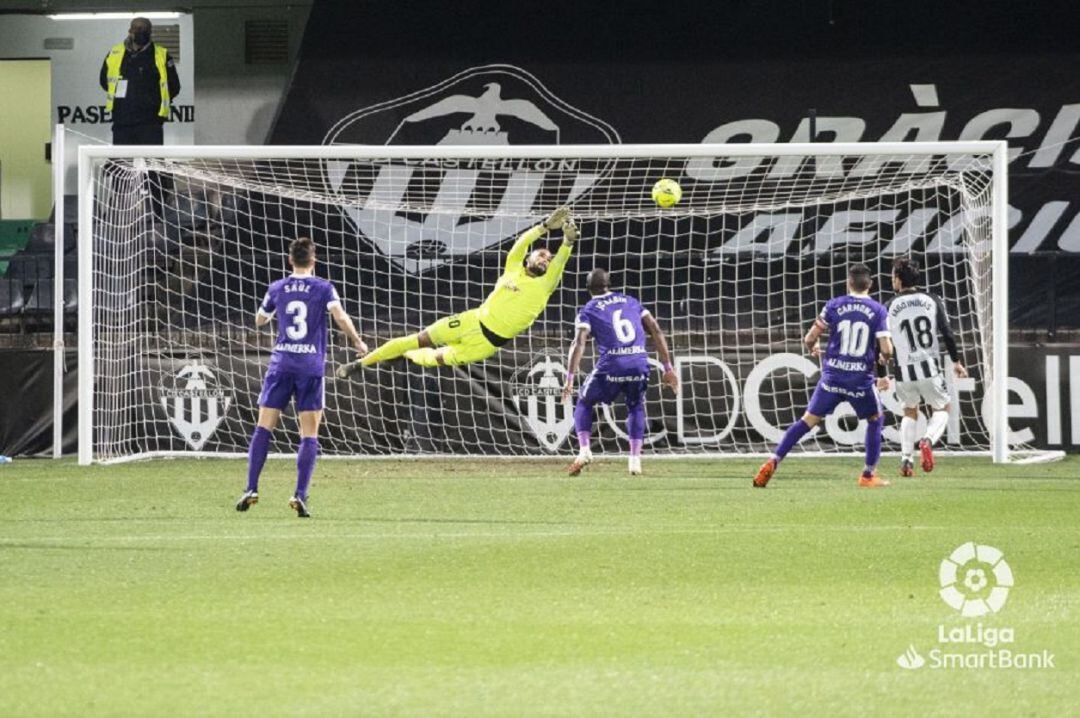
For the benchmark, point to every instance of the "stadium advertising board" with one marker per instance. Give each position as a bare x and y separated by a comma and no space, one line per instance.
192,406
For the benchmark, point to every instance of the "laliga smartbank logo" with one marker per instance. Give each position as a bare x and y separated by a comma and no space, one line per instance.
975,581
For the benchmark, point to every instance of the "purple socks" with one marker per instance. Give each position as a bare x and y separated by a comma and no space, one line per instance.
305,460
260,446
584,438
791,437
873,442
305,465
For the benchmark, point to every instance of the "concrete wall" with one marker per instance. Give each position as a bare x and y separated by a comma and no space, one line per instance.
25,181
235,102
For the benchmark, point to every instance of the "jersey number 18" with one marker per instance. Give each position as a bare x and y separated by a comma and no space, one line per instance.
921,337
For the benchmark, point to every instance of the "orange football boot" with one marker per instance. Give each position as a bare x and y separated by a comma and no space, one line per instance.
575,468
872,481
765,473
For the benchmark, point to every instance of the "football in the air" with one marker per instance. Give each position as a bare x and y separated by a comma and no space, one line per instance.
666,192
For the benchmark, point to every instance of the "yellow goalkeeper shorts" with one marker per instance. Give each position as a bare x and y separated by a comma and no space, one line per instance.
462,338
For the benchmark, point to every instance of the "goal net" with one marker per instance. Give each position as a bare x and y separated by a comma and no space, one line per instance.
180,247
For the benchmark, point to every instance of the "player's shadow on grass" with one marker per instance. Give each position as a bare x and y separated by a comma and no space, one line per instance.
30,546
729,485
482,522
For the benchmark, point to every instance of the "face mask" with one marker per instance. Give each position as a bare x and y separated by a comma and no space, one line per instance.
141,38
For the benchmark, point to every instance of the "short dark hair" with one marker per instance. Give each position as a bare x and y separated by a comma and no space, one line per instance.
302,252
907,271
599,281
859,276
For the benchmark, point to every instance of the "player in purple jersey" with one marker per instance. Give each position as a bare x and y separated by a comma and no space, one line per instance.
858,328
296,369
620,325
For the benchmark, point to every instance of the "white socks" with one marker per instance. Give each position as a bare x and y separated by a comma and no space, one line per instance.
936,426
908,427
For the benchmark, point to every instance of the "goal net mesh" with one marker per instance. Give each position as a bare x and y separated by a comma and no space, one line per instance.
183,250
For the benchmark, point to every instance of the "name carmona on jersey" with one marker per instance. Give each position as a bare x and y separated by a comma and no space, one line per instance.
854,307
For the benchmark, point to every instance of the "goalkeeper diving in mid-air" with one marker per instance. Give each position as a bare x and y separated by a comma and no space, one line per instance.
519,296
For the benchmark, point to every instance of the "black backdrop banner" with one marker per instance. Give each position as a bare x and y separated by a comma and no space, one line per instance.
26,410
608,72
1044,404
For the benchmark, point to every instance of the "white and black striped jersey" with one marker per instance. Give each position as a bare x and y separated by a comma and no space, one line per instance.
916,320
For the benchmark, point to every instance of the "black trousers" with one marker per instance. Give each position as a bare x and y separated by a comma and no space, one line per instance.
152,133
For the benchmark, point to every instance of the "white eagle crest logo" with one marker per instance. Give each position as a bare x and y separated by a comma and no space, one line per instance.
196,403
423,214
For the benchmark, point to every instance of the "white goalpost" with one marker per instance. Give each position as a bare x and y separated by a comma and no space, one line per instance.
177,245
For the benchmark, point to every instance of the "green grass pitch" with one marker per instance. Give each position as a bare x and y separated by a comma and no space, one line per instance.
504,588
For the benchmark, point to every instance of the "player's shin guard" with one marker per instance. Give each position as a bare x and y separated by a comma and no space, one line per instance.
936,426
305,465
257,451
583,417
791,437
635,428
873,442
392,349
908,429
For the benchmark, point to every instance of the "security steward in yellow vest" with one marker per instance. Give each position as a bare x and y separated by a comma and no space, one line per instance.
140,82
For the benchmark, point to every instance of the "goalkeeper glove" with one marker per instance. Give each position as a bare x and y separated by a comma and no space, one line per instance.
555,219
570,231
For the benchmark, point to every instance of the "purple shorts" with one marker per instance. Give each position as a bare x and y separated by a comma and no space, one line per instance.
604,388
828,396
279,387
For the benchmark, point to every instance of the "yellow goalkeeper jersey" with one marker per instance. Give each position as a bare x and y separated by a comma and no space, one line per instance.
518,297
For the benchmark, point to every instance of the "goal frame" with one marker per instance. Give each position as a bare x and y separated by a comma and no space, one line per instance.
998,390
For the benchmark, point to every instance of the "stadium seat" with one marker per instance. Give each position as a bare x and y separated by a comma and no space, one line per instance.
41,297
11,296
30,267
71,295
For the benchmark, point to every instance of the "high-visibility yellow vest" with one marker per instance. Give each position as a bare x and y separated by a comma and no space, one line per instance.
112,76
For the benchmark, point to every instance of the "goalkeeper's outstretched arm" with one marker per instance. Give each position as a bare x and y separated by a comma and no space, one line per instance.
558,262
516,256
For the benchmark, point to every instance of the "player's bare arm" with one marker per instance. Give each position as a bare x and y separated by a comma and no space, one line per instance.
812,340
652,328
345,324
885,353
577,349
